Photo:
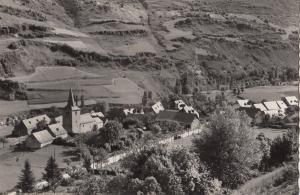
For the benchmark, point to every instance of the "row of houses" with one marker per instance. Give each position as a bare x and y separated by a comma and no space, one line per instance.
276,108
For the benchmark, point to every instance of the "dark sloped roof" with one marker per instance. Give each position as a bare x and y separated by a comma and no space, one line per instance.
175,115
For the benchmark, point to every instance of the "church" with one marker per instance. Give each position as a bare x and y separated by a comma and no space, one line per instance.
75,122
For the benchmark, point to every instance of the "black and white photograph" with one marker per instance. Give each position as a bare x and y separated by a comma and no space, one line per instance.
149,97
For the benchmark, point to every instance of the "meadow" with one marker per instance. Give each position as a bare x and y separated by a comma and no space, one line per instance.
257,94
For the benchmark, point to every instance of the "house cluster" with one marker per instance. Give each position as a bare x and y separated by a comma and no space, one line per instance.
185,115
276,108
71,122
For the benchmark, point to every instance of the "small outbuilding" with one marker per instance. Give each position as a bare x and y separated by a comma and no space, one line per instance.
39,139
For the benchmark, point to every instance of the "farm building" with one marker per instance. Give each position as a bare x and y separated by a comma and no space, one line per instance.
39,139
133,111
290,100
187,120
98,122
57,130
282,105
179,104
271,105
157,107
260,107
190,109
244,103
87,123
271,113
26,126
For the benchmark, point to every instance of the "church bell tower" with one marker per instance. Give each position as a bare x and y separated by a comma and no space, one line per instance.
71,115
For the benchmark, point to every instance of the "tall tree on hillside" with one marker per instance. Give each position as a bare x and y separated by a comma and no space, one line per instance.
145,98
3,140
52,173
178,87
26,179
229,147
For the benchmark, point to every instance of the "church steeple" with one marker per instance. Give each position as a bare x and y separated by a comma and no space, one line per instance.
71,102
71,115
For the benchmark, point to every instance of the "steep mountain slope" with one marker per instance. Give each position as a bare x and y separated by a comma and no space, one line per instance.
219,40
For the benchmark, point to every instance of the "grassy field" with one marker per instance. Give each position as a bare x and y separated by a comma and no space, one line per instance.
11,107
38,160
51,85
257,94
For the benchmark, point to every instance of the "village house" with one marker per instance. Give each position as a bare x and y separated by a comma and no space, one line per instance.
260,107
244,104
187,120
282,106
128,111
57,130
39,139
181,106
26,126
290,100
157,107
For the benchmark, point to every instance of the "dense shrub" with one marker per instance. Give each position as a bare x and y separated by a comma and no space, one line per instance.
169,126
283,148
130,122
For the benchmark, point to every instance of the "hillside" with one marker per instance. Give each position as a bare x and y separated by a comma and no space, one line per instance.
157,40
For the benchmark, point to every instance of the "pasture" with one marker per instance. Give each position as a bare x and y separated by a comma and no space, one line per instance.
50,85
257,94
13,162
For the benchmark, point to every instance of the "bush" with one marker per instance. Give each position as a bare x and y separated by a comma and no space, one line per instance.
62,142
169,126
131,122
156,129
283,147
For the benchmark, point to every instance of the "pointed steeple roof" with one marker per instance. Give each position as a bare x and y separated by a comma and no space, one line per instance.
71,102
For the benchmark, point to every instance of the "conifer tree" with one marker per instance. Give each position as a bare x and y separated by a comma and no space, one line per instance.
52,172
26,179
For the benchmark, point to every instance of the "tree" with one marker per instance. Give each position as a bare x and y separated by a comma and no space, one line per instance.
145,98
265,148
228,146
26,179
111,132
87,163
92,186
151,186
169,126
116,114
178,87
3,140
234,91
283,147
52,173
129,122
195,177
